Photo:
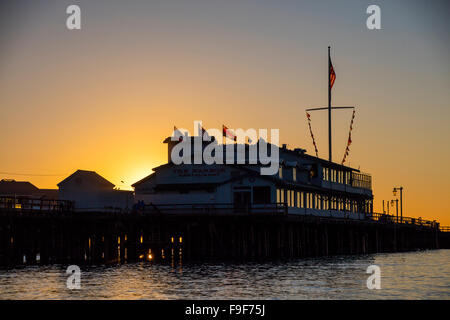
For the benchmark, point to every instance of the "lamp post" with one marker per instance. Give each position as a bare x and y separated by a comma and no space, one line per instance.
394,191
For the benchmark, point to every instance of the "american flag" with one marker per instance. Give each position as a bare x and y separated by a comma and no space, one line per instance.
332,75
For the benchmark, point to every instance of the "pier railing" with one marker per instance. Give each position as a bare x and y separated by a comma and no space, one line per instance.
214,208
361,180
31,205
387,218
26,204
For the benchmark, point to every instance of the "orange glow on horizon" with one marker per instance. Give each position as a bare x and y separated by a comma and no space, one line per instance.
105,97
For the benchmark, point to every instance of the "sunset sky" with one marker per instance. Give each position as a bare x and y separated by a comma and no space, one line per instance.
103,98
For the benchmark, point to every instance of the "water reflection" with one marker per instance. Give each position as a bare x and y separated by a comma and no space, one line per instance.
415,275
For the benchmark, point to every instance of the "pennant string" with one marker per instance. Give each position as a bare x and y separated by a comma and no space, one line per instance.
308,116
349,141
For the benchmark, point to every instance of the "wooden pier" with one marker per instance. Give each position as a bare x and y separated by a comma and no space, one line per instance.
59,235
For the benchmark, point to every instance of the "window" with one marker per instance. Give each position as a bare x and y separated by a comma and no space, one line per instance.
289,198
309,198
280,172
261,195
294,174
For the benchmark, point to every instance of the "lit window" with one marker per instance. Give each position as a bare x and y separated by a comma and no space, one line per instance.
280,172
294,174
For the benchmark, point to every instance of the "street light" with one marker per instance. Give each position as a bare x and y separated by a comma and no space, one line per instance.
394,191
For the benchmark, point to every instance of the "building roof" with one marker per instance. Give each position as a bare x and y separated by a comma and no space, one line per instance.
248,172
147,177
299,152
8,186
88,178
325,162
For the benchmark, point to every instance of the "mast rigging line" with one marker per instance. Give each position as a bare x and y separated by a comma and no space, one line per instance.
326,108
349,141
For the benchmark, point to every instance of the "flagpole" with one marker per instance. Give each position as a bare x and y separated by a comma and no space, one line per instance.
329,106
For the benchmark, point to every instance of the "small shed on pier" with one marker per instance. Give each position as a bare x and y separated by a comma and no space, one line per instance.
91,192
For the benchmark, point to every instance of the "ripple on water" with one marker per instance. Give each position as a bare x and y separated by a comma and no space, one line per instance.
412,275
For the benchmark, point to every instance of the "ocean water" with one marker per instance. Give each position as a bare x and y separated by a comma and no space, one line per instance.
410,275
